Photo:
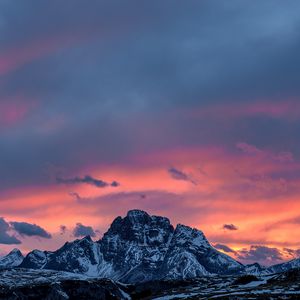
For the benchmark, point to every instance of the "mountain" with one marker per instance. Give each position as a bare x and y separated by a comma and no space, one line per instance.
35,259
255,269
292,264
190,255
12,259
138,248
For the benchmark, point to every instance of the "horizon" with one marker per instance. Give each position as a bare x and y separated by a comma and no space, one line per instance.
184,110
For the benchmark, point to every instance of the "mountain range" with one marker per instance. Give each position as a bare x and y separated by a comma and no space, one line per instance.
140,248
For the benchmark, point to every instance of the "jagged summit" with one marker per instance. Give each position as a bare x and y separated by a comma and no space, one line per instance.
137,214
138,247
16,251
13,259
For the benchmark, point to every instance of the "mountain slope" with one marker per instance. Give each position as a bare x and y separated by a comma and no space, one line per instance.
35,259
12,259
292,264
190,255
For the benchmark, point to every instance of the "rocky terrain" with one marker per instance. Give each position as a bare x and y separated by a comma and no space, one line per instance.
21,284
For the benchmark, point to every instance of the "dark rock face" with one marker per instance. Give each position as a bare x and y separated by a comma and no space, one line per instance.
135,246
79,256
35,259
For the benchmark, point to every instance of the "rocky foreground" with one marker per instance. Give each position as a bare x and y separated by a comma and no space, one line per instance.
17,284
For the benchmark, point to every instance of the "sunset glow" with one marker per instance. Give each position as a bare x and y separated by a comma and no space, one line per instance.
100,114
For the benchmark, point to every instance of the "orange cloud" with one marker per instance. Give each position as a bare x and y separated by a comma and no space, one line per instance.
228,191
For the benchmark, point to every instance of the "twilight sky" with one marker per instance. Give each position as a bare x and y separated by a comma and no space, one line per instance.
187,109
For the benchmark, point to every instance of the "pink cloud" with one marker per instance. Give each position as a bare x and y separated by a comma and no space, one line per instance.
14,110
282,157
249,149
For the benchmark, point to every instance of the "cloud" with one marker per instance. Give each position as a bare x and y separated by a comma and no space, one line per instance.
27,229
248,149
230,227
88,180
75,195
5,238
62,229
224,248
180,175
282,157
262,254
288,221
295,253
82,230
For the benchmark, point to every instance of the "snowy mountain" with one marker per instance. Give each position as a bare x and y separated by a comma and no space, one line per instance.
138,248
12,259
293,264
255,269
190,255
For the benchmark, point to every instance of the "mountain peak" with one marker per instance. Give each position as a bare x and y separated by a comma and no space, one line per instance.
136,215
86,238
13,259
16,251
138,247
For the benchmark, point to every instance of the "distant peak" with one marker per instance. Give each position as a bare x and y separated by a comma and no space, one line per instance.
15,250
87,238
136,213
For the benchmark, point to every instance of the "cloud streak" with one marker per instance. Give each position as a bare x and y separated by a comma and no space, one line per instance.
180,175
224,248
87,179
230,227
27,229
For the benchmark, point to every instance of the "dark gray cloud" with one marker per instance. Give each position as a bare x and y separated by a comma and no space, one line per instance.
230,227
82,230
88,180
102,68
27,229
5,238
180,175
263,254
224,248
295,253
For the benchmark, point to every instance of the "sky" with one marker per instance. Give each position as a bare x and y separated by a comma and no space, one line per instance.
185,109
